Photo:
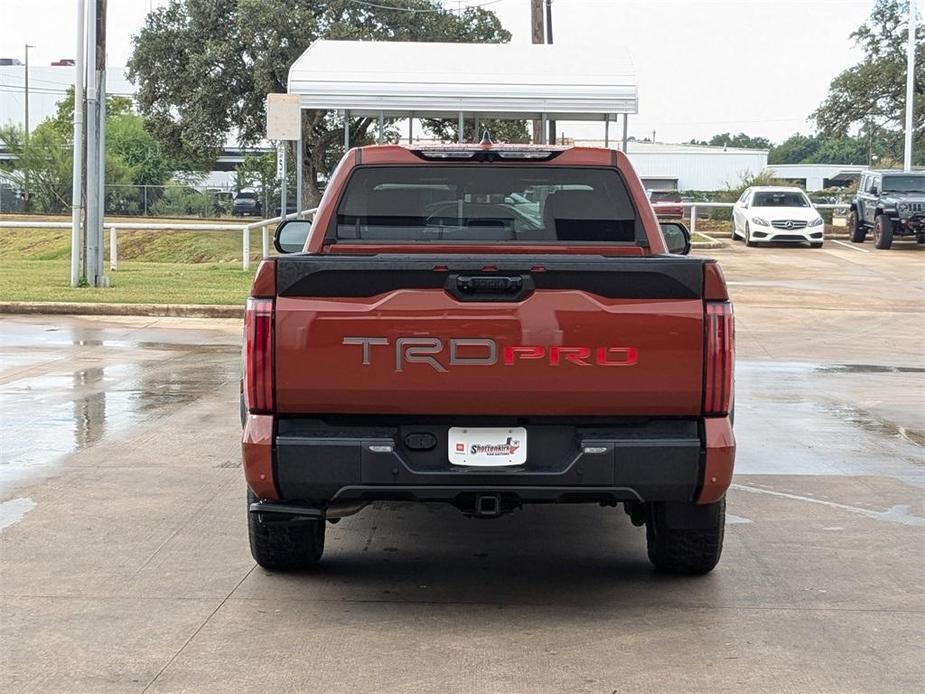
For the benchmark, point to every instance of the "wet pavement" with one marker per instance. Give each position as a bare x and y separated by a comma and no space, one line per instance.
124,563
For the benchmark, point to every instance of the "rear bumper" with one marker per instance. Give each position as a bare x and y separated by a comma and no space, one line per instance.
322,462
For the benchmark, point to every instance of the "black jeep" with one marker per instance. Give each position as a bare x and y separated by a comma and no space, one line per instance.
892,203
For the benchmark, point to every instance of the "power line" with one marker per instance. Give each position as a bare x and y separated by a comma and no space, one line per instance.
420,10
48,90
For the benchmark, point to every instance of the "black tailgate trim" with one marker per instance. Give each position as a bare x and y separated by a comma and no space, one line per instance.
653,277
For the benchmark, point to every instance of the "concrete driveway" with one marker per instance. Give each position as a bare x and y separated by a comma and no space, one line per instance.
124,564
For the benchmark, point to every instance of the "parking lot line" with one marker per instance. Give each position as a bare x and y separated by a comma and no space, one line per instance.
849,245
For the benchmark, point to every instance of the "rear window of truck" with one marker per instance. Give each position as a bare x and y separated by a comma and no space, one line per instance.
485,203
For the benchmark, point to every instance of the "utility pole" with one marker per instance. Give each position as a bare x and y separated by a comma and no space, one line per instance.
910,83
26,131
96,160
536,36
77,169
552,123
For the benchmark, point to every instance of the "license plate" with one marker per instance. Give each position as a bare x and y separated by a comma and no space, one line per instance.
488,447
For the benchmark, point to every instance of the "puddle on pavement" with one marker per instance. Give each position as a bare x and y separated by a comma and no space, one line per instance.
804,418
875,425
868,369
51,415
13,511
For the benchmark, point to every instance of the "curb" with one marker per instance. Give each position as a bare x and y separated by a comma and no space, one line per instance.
90,309
708,244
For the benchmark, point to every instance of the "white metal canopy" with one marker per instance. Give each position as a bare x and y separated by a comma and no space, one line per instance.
441,80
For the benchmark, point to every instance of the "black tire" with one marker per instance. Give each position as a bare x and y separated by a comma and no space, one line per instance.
748,237
856,230
816,244
284,545
734,233
685,538
883,232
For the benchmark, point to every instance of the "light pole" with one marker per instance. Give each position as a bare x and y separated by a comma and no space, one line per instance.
26,131
27,46
910,86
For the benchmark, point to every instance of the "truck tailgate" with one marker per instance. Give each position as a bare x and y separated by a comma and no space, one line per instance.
489,335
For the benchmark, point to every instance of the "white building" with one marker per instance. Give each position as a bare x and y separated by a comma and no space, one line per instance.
47,86
691,167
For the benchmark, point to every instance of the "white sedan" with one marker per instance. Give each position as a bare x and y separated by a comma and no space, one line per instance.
773,213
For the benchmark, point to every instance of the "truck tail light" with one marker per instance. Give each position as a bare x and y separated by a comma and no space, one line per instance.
719,358
259,386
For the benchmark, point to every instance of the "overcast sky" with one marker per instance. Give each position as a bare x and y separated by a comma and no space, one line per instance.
758,66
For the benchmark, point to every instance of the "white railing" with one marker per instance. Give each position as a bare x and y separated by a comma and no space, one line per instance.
264,224
115,227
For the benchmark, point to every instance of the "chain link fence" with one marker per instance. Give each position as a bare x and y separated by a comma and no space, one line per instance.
172,200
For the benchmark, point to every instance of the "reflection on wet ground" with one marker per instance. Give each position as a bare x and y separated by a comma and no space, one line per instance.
796,418
869,369
65,389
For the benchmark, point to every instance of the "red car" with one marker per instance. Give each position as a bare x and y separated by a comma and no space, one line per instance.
666,203
487,326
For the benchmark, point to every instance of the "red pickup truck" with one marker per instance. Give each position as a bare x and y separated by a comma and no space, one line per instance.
487,326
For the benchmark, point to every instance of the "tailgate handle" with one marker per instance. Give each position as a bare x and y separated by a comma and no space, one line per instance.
489,284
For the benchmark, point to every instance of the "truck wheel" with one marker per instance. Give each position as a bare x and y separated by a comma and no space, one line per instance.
857,232
284,545
883,232
685,538
748,236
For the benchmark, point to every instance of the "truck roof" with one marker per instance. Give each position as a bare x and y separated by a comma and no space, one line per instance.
896,172
438,153
493,146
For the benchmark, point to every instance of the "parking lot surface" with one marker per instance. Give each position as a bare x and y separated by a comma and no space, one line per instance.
124,564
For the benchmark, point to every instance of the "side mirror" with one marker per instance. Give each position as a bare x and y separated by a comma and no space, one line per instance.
874,190
677,238
291,234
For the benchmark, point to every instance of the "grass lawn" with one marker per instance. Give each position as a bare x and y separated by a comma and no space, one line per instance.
154,267
133,283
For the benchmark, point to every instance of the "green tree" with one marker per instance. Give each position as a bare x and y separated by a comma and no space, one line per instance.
796,149
204,67
43,165
133,156
823,149
729,140
509,131
871,96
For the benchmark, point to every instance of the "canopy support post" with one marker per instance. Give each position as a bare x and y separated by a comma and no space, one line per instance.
625,119
346,130
299,156
410,128
544,129
461,138
607,131
381,124
282,146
